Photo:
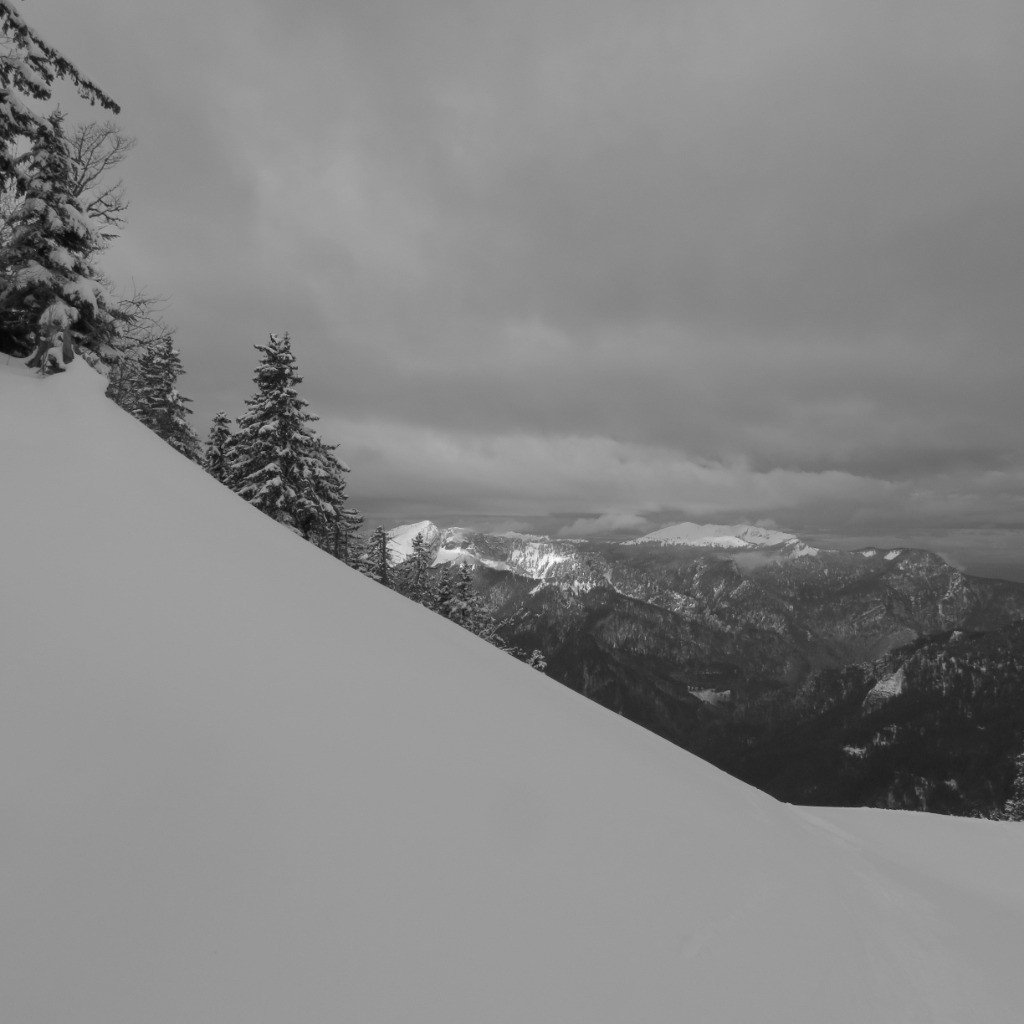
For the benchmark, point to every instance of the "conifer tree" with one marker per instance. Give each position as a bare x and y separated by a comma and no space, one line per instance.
336,531
28,70
352,545
1014,808
351,548
537,660
29,67
377,559
464,600
277,462
217,445
413,577
157,401
444,593
138,326
467,609
49,286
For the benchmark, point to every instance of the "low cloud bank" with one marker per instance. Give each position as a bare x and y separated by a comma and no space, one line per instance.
610,522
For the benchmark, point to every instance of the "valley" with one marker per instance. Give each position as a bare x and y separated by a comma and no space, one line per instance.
757,651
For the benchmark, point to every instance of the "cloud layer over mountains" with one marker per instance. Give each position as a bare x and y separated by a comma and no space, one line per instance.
726,259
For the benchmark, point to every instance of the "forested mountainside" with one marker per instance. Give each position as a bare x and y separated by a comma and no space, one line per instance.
718,648
935,725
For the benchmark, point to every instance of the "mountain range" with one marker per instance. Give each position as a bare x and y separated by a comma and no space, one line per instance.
724,638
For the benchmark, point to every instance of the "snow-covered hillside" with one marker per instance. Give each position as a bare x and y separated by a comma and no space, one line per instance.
242,784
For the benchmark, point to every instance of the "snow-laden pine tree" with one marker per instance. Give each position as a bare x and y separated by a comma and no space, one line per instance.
138,326
467,609
377,557
537,660
28,69
215,461
50,287
276,461
444,592
337,532
464,602
157,401
413,576
1014,809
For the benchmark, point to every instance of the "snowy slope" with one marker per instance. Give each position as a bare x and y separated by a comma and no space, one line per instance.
737,538
242,785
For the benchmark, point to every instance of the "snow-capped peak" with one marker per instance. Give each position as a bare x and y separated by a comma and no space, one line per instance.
736,538
401,537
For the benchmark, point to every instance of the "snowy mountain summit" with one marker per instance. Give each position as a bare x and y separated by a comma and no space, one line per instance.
731,538
247,785
571,562
401,537
529,556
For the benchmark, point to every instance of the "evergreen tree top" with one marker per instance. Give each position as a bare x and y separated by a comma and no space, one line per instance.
277,461
29,69
51,281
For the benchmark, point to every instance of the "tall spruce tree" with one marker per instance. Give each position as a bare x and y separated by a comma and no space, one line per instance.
337,532
277,462
157,401
444,592
50,288
413,575
217,444
29,68
467,609
377,557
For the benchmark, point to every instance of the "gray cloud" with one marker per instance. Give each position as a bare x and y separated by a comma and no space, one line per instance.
594,257
609,523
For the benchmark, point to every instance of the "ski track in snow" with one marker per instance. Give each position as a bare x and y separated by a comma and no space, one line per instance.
243,784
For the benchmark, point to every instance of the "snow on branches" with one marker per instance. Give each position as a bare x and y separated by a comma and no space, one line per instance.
278,463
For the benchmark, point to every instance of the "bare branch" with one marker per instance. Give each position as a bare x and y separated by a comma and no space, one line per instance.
95,148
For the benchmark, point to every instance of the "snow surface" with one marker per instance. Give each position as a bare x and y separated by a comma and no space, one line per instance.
243,784
453,555
885,689
710,696
710,535
533,559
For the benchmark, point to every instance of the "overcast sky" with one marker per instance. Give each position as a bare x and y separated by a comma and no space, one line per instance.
641,259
